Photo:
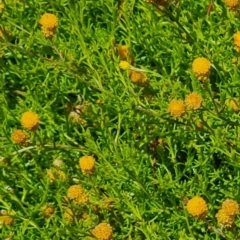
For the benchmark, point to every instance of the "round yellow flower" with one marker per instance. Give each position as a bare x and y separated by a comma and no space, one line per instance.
49,24
123,51
77,194
139,78
87,164
102,231
233,104
75,191
49,21
224,219
232,4
193,101
30,120
230,207
197,207
124,65
47,211
176,108
20,137
201,67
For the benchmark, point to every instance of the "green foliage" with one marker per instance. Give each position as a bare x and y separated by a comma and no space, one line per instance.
148,162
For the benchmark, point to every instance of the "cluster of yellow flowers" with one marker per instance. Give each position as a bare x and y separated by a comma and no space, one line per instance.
87,165
226,215
49,24
30,122
197,207
200,66
77,194
177,108
136,76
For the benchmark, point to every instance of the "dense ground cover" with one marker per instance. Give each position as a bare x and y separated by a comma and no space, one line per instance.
119,119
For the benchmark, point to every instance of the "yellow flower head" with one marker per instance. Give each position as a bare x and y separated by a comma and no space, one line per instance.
201,67
47,210
197,207
77,194
102,231
176,108
123,52
87,164
233,104
20,137
224,219
56,175
75,191
30,120
193,101
124,65
236,41
232,4
49,21
230,207
139,78
49,24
